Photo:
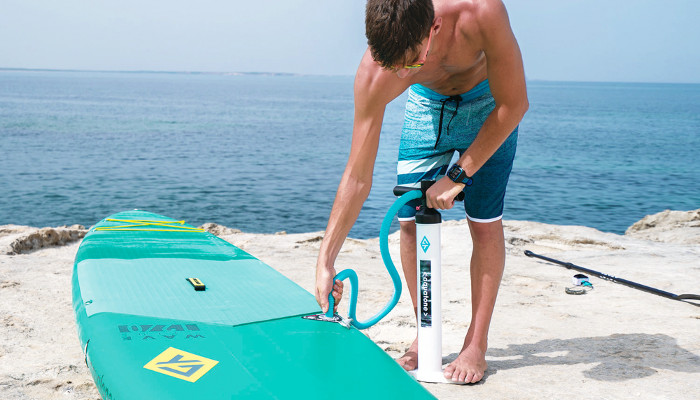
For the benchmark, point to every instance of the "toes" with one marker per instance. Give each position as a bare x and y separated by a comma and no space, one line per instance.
455,375
407,366
449,370
408,361
462,376
475,377
469,377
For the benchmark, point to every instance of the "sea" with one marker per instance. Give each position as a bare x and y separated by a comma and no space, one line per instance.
264,153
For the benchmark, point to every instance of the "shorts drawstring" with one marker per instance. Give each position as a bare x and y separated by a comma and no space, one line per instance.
456,99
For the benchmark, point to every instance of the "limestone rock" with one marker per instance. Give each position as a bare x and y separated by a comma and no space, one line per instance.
669,227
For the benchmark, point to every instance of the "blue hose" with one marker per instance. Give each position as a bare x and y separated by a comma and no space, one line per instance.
386,257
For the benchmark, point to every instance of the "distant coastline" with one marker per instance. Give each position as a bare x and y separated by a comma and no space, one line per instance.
151,72
259,73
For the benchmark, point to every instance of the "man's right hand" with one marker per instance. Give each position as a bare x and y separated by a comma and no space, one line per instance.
324,284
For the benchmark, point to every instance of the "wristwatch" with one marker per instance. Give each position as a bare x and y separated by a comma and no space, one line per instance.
457,174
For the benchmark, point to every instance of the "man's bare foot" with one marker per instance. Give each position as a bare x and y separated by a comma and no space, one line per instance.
469,366
409,361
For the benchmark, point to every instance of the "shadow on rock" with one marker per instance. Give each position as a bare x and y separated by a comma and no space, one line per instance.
617,357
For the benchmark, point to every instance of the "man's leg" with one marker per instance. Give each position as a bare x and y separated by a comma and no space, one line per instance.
487,263
409,361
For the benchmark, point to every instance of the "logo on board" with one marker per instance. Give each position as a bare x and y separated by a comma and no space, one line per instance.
425,244
147,332
181,364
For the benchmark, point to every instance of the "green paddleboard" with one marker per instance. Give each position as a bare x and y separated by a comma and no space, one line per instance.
167,311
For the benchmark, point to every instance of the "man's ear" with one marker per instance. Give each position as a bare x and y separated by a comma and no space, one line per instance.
437,24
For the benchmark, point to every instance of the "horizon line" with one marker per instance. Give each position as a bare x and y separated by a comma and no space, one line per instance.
268,73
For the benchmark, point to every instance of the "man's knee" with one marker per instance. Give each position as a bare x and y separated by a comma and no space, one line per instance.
408,227
408,232
486,231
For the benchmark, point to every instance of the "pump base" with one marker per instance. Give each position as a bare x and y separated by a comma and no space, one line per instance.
432,377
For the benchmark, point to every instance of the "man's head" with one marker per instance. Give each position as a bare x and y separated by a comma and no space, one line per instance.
395,29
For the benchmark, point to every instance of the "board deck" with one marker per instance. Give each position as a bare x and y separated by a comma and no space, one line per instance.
147,333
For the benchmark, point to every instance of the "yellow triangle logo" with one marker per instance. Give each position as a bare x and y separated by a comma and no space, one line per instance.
181,364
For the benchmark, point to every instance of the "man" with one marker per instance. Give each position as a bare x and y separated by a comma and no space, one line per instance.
463,68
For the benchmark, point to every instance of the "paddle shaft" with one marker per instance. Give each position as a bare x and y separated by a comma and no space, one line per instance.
601,275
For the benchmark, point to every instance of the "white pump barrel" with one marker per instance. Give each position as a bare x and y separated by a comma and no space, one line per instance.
429,302
429,316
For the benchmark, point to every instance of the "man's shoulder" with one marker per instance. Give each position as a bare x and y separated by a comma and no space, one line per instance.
374,81
473,15
478,8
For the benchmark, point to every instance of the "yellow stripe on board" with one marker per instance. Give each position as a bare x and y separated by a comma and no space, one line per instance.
149,230
142,224
143,220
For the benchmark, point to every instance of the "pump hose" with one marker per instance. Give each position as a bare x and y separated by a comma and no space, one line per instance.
386,257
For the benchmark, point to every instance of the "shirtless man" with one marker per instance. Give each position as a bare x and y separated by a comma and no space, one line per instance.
463,68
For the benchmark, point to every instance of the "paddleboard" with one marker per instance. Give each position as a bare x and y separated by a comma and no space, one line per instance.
167,311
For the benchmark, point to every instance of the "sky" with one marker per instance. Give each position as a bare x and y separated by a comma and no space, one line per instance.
565,40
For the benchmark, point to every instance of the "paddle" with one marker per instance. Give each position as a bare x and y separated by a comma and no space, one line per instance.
680,297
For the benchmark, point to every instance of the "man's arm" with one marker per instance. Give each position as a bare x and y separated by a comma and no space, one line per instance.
507,82
374,89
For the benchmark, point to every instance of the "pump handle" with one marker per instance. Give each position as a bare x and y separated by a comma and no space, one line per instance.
400,190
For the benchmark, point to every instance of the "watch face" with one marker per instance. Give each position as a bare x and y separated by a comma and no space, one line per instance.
454,173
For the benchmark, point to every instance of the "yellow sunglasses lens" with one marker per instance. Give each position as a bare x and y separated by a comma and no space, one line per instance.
412,66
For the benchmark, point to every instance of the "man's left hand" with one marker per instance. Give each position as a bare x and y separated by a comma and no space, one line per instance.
441,195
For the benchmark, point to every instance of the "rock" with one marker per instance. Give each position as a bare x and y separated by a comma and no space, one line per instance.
669,227
219,230
74,226
46,237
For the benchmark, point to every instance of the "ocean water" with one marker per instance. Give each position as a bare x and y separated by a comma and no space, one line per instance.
264,153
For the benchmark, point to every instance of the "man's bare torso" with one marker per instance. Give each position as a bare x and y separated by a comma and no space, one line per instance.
456,62
469,41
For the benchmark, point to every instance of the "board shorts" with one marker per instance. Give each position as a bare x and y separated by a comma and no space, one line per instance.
437,126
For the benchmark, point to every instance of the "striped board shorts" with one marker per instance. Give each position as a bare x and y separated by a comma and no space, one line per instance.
436,127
